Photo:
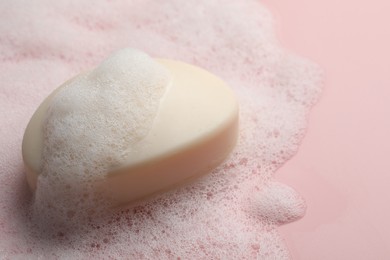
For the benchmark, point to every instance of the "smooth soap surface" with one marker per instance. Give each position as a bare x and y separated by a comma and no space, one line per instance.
195,129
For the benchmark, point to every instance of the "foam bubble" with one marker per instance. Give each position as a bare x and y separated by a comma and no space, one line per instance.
275,202
208,218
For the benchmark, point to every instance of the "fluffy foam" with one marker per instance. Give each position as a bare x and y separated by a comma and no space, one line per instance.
218,216
93,124
276,203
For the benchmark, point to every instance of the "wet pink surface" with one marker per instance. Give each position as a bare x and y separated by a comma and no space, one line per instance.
342,167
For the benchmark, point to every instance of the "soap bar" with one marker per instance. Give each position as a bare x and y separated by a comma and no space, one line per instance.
194,130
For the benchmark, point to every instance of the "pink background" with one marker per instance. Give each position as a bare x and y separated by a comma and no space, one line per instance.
342,167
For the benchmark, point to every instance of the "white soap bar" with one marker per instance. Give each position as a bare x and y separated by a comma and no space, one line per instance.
194,130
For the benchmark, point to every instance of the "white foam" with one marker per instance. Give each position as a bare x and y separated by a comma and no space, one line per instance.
92,125
276,203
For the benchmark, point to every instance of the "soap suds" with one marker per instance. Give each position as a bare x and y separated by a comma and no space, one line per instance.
220,216
93,125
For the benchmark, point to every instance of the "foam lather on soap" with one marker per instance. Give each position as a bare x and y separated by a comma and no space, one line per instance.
93,124
221,216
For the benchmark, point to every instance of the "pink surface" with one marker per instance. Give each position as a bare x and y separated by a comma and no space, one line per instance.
342,167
